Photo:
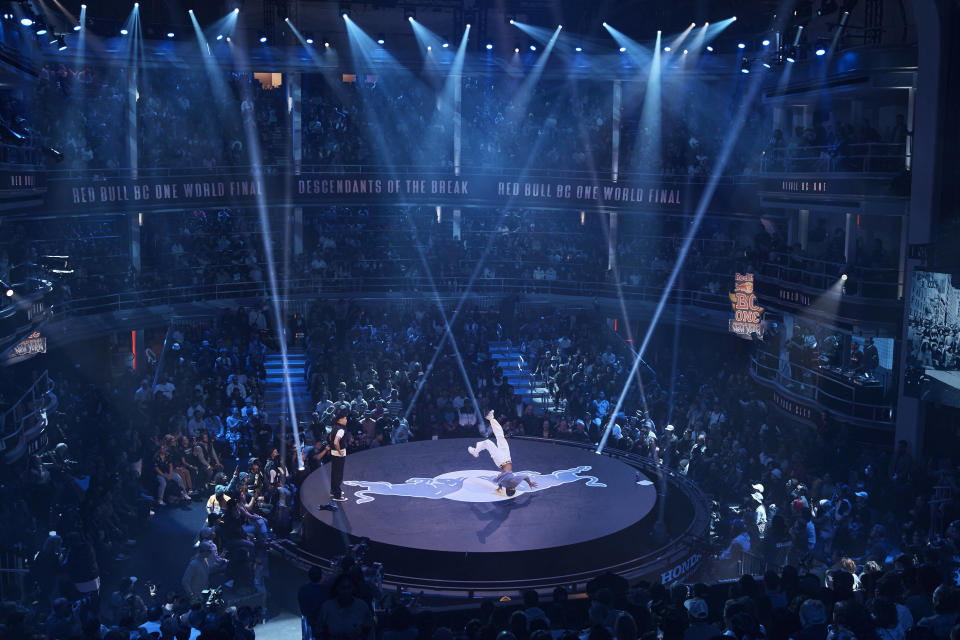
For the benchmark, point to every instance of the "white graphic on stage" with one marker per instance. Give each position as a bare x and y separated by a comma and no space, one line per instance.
468,485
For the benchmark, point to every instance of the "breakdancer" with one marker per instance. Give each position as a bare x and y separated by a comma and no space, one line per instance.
508,481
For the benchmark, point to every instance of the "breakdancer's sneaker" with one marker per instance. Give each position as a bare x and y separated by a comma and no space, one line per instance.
473,451
489,415
340,498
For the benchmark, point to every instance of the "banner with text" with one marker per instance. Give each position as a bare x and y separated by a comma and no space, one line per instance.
428,189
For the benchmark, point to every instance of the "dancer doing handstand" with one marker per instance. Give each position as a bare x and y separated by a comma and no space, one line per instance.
508,481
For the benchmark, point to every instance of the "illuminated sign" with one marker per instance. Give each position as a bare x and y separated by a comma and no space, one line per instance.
747,314
26,348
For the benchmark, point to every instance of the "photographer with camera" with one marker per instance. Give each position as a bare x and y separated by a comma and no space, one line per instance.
196,578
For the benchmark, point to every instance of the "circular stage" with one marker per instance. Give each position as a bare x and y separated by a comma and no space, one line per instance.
436,520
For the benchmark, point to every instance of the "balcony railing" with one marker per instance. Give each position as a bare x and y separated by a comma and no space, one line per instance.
870,157
868,282
26,418
130,300
847,396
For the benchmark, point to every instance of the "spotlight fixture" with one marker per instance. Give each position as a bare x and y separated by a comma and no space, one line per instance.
820,51
219,36
533,47
745,66
578,49
710,48
623,49
344,15
516,49
262,38
791,59
489,46
308,40
740,45
77,27
380,39
27,22
821,46
429,48
123,32
512,22
765,42
344,11
766,65
843,277
445,45
326,45
410,13
667,48
61,43
170,34
42,31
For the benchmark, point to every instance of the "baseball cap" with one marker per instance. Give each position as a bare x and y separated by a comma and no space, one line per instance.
697,608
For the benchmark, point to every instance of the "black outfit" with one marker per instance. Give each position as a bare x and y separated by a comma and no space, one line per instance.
336,475
337,462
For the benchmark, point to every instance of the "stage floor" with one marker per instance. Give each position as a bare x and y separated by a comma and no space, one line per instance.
433,495
436,522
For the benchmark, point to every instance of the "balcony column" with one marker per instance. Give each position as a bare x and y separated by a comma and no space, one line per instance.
614,173
457,124
792,228
803,225
615,120
297,223
295,112
134,219
850,238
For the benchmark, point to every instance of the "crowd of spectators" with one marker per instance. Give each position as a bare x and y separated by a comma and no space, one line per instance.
808,502
175,126
832,145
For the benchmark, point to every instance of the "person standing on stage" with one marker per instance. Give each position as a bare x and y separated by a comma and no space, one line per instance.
500,452
338,457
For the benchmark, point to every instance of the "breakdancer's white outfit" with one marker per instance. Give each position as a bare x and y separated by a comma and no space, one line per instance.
500,452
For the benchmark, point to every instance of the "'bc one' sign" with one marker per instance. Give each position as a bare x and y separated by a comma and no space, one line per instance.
747,314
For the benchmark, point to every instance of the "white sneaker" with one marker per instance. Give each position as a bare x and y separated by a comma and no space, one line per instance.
473,451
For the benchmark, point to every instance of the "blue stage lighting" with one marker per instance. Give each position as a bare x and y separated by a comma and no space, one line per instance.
445,45
42,31
622,49
533,47
489,46
77,27
380,40
667,49
170,34
27,22
744,70
741,46
578,49
123,32
709,48
820,51
262,39
765,43
219,36
309,40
